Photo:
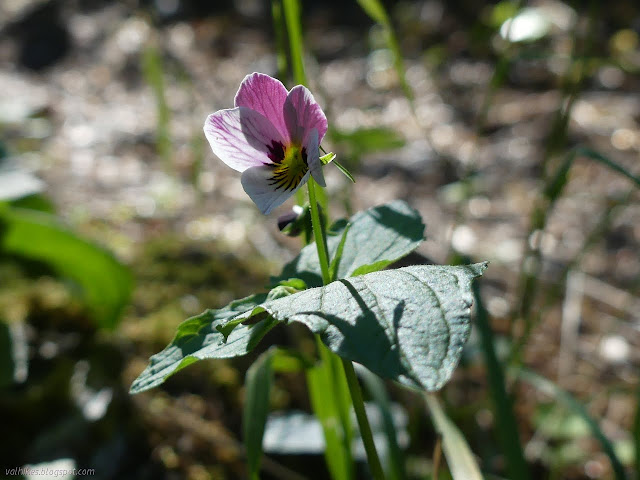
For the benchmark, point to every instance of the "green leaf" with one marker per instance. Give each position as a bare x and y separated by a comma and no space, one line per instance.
462,464
34,202
377,237
202,337
258,383
408,324
564,397
105,284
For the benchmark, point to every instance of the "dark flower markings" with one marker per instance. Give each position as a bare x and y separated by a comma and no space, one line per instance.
276,151
284,177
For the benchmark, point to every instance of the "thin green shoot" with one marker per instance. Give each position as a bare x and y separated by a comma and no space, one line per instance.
152,69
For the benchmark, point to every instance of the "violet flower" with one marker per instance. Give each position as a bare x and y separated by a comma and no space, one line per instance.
272,136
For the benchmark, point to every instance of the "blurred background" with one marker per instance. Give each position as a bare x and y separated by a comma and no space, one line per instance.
512,126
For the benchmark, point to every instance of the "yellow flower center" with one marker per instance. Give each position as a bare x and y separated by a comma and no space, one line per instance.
289,172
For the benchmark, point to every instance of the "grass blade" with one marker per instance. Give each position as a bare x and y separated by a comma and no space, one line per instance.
546,386
330,401
506,424
556,185
616,167
636,434
105,284
258,383
294,29
279,29
153,74
377,12
376,389
462,464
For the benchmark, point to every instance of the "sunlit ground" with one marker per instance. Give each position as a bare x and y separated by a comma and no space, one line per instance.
104,104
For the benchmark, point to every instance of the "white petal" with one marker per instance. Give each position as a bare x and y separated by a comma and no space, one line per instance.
255,182
241,137
312,148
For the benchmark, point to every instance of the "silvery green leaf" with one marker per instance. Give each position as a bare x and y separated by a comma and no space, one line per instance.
409,325
377,237
203,337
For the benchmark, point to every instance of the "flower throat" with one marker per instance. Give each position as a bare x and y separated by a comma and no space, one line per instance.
289,167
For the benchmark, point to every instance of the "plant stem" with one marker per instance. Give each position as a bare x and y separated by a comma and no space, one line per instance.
318,233
363,422
352,380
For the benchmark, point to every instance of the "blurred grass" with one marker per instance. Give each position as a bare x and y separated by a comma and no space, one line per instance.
171,278
554,178
550,388
104,284
505,419
152,68
294,29
636,433
329,395
460,458
376,388
258,381
376,10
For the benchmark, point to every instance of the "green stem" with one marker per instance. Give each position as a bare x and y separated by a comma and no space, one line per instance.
318,233
363,422
352,380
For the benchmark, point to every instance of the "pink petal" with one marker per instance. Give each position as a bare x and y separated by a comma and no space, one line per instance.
312,147
302,114
256,182
241,137
265,95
